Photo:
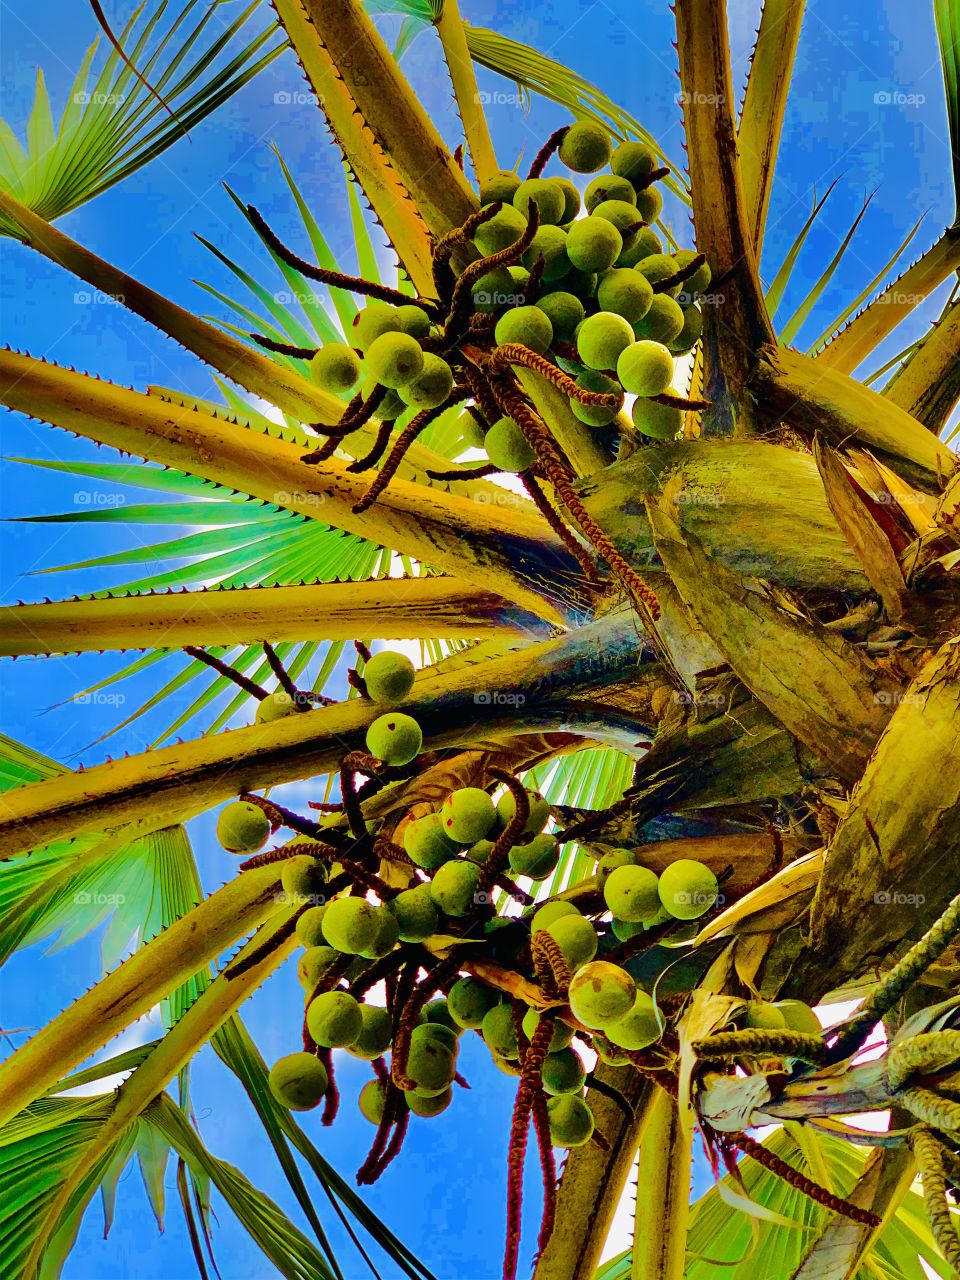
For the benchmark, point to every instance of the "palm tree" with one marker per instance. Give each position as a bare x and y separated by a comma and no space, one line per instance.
733,644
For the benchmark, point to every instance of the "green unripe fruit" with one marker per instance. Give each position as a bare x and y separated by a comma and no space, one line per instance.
551,911
763,1016
609,863
439,1031
539,811
520,277
372,1101
662,323
303,879
351,925
624,217
631,893
582,284
387,935
429,1105
394,359
690,334
571,1121
571,197
537,859
608,1052
437,1013
576,938
563,1072
645,368
502,186
601,993
431,1063
699,282
376,1032
275,706
633,160
595,415
453,887
624,930
467,815
688,889
242,827
390,407
546,195
549,243
646,243
469,430
501,231
309,926
480,851
375,319
601,339
415,914
507,448
649,204
314,962
493,290
389,676
626,293
562,1034
593,244
586,147
799,1016
425,843
639,1027
608,186
659,421
335,367
564,311
394,738
413,320
527,325
657,267
470,1001
334,1019
431,386
298,1081
499,1032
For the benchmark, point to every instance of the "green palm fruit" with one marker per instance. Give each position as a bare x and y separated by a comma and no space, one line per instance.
608,1052
242,827
499,1032
592,414
593,244
502,186
537,859
600,993
576,938
507,448
351,925
275,706
470,430
799,1016
624,930
646,243
563,1072
372,1101
624,217
429,1105
639,1027
571,197
601,339
375,319
453,887
376,1032
562,1034
649,204
335,368
688,888
390,407
425,843
607,186
303,879
431,387
298,1081
549,243
571,1121
539,811
501,231
586,147
763,1016
546,195
690,334
659,421
564,311
314,962
493,290
626,293
582,284
633,160
437,1012
413,320
394,359
662,323
415,914
657,267
551,911
309,926
699,282
509,1066
645,368
439,1031
334,1019
431,1063
469,1001
527,325
389,676
520,278
609,863
387,935
631,893
467,814
480,851
394,738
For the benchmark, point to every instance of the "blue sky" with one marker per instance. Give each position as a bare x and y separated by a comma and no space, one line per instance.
867,109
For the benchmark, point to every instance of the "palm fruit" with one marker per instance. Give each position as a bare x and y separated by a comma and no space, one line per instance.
595,415
639,1027
376,1032
690,334
645,368
660,421
624,217
501,231
499,1032
351,925
242,827
687,888
501,186
375,319
646,243
480,851
298,1081
626,293
469,429
576,938
600,993
431,1063
314,963
394,359
593,244
551,911
649,204
699,282
519,278
415,914
453,887
662,323
335,367
539,811
394,738
799,1016
608,1052
564,311
509,1067
507,448
609,863
372,1101
571,1121
389,676
536,859
586,147
437,1013
562,1034
546,195
413,320
388,932
657,267
467,814
431,386
275,706
425,843
601,339
303,879
607,186
441,1033
571,198
390,407
493,290
624,930
563,1072
527,325
582,284
334,1019
429,1105
549,243
309,926
763,1016
633,160
631,893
